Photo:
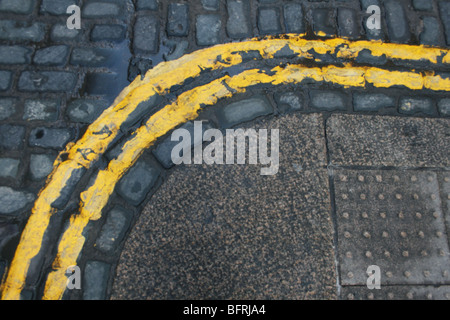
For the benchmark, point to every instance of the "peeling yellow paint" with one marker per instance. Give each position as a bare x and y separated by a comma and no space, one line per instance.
158,81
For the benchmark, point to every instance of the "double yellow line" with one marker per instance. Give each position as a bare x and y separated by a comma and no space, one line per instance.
158,81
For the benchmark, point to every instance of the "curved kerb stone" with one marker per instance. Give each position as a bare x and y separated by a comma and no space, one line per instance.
134,102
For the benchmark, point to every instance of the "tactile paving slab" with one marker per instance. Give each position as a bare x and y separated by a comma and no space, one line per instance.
392,219
396,293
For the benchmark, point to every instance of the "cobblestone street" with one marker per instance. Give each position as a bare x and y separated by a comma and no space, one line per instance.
86,173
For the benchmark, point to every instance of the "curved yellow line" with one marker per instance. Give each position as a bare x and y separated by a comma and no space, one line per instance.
159,80
186,108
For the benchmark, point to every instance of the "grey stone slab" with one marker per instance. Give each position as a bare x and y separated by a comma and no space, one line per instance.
138,182
56,81
9,167
12,137
7,108
41,165
242,111
444,10
397,22
12,201
60,32
293,18
85,110
113,231
431,34
444,107
146,34
413,105
397,293
238,23
178,19
95,280
269,21
289,101
101,9
108,32
211,5
392,219
147,5
43,110
388,141
5,80
52,56
15,55
323,21
54,138
372,101
225,232
425,5
348,23
91,57
208,28
444,185
57,7
17,6
328,100
15,30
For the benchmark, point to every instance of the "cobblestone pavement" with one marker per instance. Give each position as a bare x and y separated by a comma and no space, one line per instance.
381,144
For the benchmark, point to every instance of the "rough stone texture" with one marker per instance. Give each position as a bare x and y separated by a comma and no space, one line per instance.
60,32
101,10
57,7
17,6
211,5
323,21
416,105
431,34
147,4
9,167
7,108
426,5
397,293
12,30
41,165
388,141
52,56
85,110
146,34
262,238
178,20
398,27
90,57
111,32
444,9
57,81
328,100
95,280
293,18
372,101
12,137
138,182
269,21
444,107
53,138
15,55
348,23
113,230
45,110
238,23
243,111
5,80
12,201
392,219
289,101
208,29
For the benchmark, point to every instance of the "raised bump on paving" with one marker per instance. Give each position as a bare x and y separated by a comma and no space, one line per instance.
166,75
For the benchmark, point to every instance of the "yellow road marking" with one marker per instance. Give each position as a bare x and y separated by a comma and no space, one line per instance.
159,80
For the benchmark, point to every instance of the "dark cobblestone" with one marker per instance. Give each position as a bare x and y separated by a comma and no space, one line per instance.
269,21
15,55
238,24
12,137
17,6
85,110
60,32
53,138
293,18
146,34
444,107
22,31
101,10
242,111
289,101
5,80
41,165
44,110
328,100
12,201
147,5
178,20
95,280
323,21
348,23
211,5
113,32
416,105
444,9
52,56
9,168
372,101
372,34
57,7
7,108
426,5
90,57
432,32
208,29
113,231
398,27
57,81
